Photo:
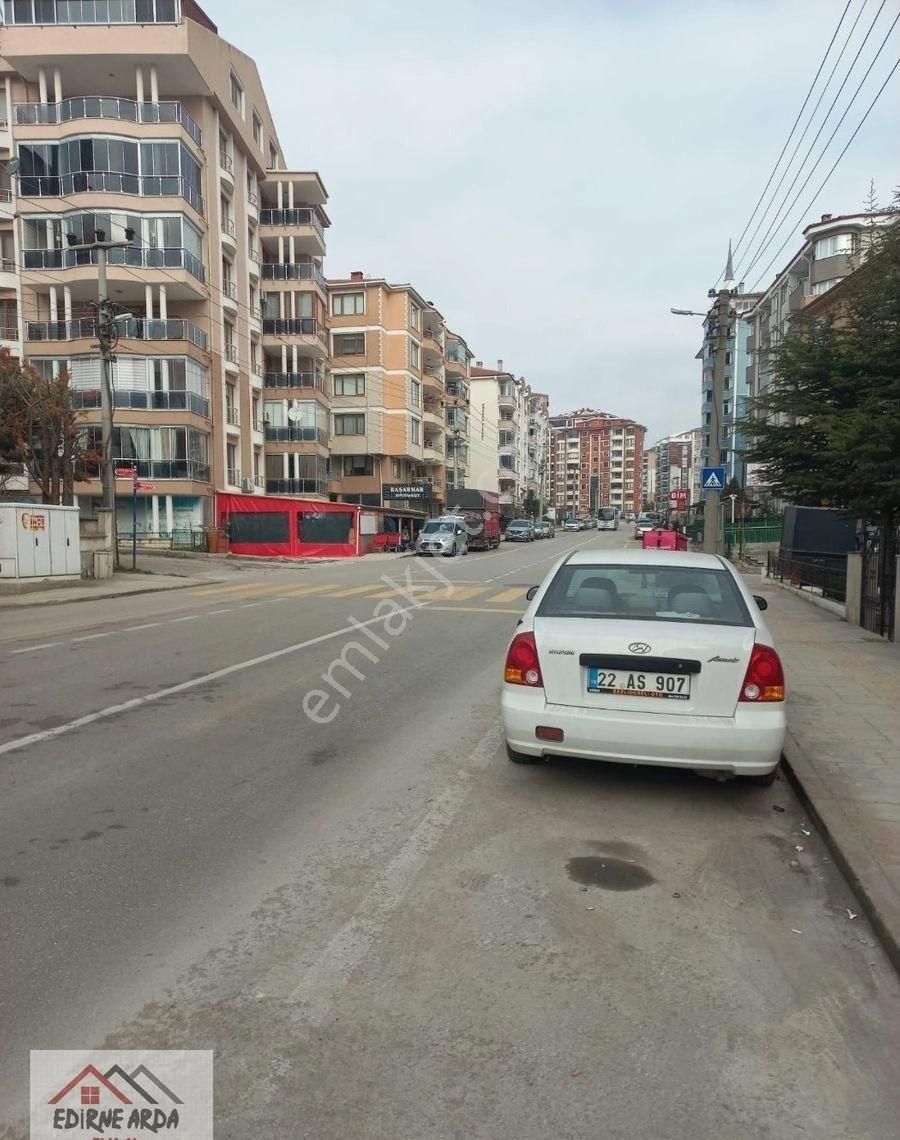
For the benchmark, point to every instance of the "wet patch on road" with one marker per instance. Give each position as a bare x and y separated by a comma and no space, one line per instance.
322,755
608,873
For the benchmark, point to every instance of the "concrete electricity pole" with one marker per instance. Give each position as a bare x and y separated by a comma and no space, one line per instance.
718,320
107,336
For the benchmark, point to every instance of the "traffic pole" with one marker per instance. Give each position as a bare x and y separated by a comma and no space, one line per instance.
134,483
719,317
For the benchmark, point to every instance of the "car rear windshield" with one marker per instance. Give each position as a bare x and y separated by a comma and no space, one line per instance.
519,526
647,593
439,528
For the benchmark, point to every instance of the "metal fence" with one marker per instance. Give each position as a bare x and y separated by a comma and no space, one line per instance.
182,538
879,581
826,573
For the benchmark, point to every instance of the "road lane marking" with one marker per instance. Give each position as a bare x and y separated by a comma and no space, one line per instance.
473,610
209,613
238,588
146,625
348,593
189,617
323,981
91,636
301,591
508,595
185,686
35,648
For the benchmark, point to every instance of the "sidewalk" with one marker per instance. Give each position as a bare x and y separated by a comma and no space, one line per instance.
843,745
92,590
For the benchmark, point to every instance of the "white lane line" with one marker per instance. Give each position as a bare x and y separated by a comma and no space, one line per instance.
35,648
190,617
250,605
212,613
92,636
321,983
184,686
147,625
550,557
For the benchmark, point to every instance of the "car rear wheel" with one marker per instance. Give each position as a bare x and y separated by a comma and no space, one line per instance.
520,757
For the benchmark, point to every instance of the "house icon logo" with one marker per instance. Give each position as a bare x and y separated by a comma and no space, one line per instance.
140,1094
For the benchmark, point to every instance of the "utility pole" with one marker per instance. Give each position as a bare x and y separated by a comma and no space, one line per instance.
718,320
107,335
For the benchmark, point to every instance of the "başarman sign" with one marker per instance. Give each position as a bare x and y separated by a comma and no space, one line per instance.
406,491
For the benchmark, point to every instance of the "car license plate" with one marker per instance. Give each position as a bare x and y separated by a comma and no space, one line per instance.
632,683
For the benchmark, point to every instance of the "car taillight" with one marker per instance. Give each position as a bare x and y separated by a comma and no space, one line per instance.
522,665
765,677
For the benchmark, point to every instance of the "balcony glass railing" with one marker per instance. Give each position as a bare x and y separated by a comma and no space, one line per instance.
231,354
301,271
293,326
104,107
230,290
226,161
166,468
296,433
93,12
293,380
108,182
148,257
303,216
89,399
228,227
134,329
296,486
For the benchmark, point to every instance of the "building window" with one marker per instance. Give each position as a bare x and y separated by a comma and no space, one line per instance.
348,344
351,384
415,430
358,465
257,130
90,1094
823,286
237,93
415,394
396,468
273,156
415,316
348,304
345,424
232,475
413,354
708,419
836,243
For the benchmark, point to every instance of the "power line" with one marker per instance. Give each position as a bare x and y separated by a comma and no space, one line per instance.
794,126
776,224
811,202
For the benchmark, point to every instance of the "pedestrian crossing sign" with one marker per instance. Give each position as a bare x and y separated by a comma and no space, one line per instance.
712,479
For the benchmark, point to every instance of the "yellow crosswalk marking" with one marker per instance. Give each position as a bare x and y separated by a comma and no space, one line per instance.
471,610
301,591
349,592
224,588
463,595
509,595
422,590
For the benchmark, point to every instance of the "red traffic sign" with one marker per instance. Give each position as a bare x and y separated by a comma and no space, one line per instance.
139,486
679,495
126,473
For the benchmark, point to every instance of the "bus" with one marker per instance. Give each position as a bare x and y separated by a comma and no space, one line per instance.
607,518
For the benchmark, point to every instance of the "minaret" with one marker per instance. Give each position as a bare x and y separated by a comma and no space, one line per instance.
729,271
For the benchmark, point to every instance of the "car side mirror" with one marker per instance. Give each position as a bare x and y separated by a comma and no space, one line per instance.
532,590
761,601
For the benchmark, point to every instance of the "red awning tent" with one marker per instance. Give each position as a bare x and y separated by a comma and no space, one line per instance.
280,527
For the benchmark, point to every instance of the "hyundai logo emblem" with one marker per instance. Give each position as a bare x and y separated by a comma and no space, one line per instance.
639,647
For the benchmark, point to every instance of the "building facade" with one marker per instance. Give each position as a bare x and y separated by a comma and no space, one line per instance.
677,467
155,125
510,432
596,460
649,491
399,386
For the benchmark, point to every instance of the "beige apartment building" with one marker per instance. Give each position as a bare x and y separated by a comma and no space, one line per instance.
140,117
399,396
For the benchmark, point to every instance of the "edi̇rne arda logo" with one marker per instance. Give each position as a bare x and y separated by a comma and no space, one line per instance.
126,1095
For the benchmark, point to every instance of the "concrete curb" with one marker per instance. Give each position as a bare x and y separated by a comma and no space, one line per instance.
97,597
837,608
849,849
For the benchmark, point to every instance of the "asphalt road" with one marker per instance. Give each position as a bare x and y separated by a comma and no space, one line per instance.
382,928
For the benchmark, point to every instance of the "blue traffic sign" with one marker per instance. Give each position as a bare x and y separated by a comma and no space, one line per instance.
712,478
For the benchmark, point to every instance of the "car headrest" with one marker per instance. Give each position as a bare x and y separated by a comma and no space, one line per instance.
598,583
689,601
594,599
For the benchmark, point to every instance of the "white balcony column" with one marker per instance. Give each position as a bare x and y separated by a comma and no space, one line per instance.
281,251
57,85
148,302
154,84
154,513
285,404
296,456
170,515
286,471
284,358
54,306
280,195
295,357
139,94
290,195
281,306
67,302
163,304
291,256
42,85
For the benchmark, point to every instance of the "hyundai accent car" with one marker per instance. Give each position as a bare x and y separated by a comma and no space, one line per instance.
651,657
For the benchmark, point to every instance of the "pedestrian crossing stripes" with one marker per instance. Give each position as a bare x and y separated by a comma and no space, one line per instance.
429,591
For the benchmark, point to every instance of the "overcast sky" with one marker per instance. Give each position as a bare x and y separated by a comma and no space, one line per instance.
556,176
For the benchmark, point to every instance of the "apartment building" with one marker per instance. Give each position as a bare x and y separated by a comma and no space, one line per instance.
538,449
596,460
510,425
133,117
676,467
399,397
649,494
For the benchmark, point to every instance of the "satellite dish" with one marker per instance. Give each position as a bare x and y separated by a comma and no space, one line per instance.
294,414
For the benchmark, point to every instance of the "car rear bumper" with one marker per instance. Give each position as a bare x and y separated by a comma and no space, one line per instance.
748,743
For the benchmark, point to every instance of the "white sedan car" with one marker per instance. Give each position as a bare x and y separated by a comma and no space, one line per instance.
646,657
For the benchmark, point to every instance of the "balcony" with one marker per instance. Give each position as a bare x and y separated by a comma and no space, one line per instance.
295,433
232,418
226,225
455,356
226,169
135,329
89,400
507,400
229,295
252,207
108,182
293,271
193,469
253,256
104,107
433,377
297,487
290,219
433,342
230,358
298,327
294,380
8,333
233,477
433,451
148,257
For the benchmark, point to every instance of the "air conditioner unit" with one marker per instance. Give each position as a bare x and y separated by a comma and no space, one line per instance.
247,484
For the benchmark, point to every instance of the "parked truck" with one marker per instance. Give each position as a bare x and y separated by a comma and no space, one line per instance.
480,511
